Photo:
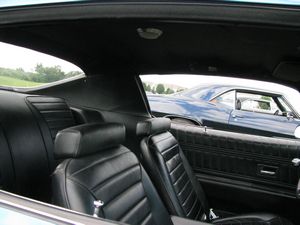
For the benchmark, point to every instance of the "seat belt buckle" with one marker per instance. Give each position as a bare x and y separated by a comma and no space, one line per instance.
97,207
212,215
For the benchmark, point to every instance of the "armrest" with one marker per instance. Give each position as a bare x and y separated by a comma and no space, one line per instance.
183,221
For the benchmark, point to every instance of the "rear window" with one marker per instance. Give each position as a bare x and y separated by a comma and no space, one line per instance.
24,68
12,3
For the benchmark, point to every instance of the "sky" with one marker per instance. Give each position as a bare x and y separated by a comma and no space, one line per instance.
17,57
189,81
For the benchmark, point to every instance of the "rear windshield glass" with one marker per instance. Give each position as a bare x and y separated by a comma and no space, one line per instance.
25,68
15,3
12,3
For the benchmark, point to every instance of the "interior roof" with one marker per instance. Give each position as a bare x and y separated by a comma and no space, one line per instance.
113,46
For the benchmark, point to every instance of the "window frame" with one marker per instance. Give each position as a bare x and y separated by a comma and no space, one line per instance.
253,91
46,57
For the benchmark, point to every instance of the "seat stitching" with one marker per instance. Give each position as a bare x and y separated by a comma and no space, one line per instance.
175,166
170,136
133,207
112,177
193,206
122,192
187,198
97,163
145,218
184,187
180,177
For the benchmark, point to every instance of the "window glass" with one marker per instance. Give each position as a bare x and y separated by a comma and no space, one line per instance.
257,103
25,68
9,3
192,95
286,108
280,2
218,102
226,99
8,217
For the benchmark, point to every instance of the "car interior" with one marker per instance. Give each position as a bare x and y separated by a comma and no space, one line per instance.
94,140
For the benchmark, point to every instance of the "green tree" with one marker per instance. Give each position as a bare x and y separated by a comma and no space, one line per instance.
147,87
169,91
48,74
180,89
160,89
144,86
153,90
73,74
265,105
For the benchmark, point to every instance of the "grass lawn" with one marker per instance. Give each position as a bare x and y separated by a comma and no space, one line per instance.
13,82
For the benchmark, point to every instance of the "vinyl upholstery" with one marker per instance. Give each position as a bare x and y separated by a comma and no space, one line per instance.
174,178
234,154
113,175
28,126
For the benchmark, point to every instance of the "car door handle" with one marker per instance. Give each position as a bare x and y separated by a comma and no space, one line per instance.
236,116
267,172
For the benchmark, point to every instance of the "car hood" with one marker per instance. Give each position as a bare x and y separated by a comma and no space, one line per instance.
179,100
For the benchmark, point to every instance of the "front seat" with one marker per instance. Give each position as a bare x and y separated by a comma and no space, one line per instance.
96,167
176,183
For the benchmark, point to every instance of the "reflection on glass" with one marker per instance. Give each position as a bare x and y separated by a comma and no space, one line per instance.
9,217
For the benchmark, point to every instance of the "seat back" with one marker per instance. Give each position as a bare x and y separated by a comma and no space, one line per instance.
97,167
170,170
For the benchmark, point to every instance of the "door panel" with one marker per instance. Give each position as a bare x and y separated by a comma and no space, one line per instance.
242,165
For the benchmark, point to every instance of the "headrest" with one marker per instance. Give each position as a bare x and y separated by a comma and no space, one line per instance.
153,126
87,139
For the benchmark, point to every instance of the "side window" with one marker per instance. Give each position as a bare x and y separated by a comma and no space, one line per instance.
25,68
285,107
257,103
227,99
9,216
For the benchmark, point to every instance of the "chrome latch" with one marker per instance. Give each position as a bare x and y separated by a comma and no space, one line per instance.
97,207
296,161
212,215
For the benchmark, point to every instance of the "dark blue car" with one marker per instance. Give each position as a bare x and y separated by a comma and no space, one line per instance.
232,108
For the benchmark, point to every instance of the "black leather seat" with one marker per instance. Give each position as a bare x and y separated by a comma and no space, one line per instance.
98,167
175,180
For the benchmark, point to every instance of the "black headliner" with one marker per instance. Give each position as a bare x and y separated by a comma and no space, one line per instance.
112,45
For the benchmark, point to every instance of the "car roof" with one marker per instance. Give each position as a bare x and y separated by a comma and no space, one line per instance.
193,39
211,91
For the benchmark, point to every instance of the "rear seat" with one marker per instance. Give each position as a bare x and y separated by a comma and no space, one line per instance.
28,126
